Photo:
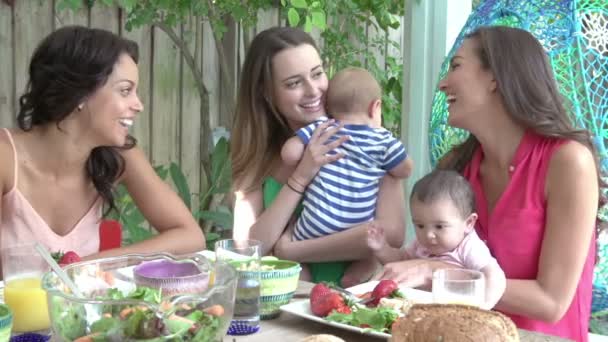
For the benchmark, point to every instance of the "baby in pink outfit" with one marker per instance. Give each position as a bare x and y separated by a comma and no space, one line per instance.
442,205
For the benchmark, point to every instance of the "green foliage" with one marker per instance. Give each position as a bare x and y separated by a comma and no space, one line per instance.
174,12
345,36
134,223
347,41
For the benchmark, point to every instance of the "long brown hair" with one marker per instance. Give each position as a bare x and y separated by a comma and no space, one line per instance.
528,88
258,129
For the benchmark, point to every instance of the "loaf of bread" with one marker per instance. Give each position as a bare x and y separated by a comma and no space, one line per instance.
453,323
322,338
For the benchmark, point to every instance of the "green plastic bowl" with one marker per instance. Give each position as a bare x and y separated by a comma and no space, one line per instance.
278,286
6,322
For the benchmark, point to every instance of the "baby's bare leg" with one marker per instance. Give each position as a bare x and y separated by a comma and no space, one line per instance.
359,272
305,274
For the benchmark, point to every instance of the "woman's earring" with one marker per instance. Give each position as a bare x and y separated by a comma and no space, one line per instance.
80,106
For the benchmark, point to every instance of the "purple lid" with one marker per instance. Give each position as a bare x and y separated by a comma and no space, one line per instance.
172,277
166,269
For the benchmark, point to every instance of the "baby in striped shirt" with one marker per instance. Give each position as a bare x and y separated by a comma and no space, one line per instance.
344,193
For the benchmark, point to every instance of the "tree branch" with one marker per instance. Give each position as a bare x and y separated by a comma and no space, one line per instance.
220,49
198,76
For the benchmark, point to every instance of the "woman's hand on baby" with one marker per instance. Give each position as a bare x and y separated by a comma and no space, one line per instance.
375,236
317,152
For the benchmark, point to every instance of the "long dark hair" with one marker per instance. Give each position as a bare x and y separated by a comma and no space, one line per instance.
527,84
70,64
258,129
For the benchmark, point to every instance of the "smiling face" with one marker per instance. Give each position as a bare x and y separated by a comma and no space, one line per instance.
469,87
299,85
112,108
440,226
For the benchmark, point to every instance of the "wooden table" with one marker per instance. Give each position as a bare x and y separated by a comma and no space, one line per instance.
288,327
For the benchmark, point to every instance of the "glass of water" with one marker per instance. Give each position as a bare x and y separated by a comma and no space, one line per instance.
459,286
245,256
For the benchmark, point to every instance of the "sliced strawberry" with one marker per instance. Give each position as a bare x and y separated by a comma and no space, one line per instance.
384,289
110,235
69,258
326,304
345,309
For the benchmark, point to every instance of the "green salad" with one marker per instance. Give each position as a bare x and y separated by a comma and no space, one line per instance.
180,322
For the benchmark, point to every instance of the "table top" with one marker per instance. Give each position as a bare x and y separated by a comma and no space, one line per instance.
292,328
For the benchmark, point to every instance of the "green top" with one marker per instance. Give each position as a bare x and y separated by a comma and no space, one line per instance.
321,271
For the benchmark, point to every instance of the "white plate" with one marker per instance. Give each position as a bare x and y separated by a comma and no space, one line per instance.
302,308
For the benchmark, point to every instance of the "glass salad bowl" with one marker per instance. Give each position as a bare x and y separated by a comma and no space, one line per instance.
136,297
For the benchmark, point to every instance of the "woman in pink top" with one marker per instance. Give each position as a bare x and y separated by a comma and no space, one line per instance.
534,175
72,147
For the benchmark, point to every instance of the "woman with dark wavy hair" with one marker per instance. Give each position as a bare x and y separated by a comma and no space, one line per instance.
535,178
72,147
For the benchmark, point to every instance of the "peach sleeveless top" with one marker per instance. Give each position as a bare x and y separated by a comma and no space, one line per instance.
22,224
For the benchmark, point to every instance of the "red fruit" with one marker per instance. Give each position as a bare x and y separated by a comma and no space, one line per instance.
326,304
384,289
344,310
68,258
318,291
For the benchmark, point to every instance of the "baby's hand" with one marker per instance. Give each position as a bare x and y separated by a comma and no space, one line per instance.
375,236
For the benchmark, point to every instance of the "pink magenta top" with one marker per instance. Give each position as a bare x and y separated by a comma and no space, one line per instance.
514,230
22,224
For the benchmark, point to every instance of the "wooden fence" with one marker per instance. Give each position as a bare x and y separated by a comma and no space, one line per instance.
169,128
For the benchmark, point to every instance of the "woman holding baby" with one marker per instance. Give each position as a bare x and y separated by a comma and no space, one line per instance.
535,178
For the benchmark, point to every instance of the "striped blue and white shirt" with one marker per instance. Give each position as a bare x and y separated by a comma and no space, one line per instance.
344,193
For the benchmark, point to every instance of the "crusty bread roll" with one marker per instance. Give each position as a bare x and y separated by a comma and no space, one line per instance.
322,338
453,323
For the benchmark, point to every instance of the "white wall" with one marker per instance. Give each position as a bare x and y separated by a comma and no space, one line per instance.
434,25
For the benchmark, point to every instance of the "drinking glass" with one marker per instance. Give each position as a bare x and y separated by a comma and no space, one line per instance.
22,269
459,286
244,255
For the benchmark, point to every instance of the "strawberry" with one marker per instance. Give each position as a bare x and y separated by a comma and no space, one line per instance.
326,304
110,235
68,258
345,309
318,291
384,289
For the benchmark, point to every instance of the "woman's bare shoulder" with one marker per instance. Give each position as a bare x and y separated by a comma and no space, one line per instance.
572,156
570,161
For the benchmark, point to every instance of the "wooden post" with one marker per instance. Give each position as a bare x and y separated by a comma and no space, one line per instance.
8,110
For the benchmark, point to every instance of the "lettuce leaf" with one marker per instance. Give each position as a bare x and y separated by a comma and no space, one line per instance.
378,319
